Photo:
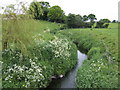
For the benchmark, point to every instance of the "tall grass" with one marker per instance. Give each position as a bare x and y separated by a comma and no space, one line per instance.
20,33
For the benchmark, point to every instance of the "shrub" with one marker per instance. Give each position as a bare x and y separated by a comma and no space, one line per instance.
64,56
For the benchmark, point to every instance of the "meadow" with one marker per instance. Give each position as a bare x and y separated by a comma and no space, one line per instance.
100,70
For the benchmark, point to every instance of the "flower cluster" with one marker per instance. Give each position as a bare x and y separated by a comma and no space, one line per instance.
61,47
38,39
28,75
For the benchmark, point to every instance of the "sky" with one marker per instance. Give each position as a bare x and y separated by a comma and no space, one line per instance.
101,8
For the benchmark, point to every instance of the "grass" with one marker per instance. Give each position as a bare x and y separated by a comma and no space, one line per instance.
101,46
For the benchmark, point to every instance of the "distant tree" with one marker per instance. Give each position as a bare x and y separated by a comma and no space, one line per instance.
102,23
114,21
74,21
92,17
85,18
35,10
106,25
56,14
45,7
70,20
106,20
87,24
79,21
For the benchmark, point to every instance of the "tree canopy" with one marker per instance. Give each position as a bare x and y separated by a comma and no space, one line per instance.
35,10
56,14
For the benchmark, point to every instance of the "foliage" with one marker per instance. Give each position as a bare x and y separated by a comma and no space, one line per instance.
103,23
97,73
20,71
58,52
35,10
56,14
85,18
92,17
74,21
114,21
64,56
45,7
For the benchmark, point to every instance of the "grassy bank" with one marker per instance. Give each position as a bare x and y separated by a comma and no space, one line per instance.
101,46
32,55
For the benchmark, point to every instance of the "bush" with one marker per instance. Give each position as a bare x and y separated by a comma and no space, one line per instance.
64,56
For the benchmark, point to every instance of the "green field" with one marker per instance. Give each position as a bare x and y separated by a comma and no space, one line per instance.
101,46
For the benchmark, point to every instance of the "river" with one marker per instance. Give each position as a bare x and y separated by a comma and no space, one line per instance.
69,80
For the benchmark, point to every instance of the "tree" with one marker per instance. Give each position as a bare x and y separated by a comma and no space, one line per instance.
35,10
79,21
70,20
85,18
45,7
103,23
74,21
56,14
92,17
114,21
106,20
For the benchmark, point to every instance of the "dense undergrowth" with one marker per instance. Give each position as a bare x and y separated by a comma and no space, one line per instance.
32,55
100,70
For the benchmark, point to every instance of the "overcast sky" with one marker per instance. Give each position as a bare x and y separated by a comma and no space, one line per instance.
101,8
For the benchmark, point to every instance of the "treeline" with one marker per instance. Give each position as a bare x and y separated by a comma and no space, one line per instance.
43,11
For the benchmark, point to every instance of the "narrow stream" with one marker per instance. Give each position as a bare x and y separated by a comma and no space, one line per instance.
69,80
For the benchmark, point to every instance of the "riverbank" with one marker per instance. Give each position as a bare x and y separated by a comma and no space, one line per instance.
101,46
68,81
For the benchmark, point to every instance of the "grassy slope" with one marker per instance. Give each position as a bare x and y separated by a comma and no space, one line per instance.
101,70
